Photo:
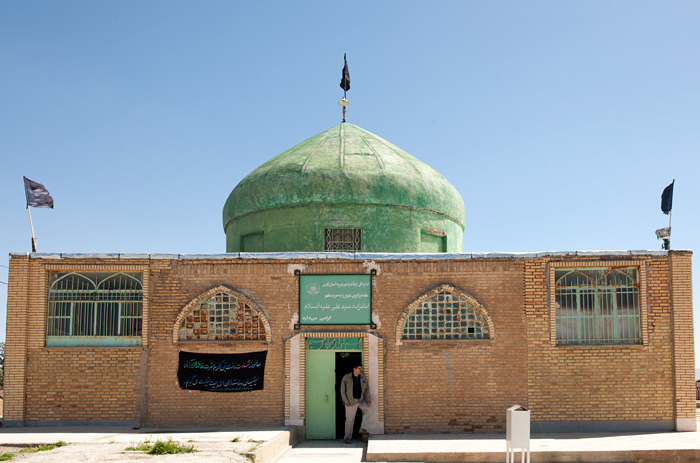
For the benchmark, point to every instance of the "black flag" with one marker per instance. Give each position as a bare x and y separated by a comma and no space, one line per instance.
37,194
345,81
667,198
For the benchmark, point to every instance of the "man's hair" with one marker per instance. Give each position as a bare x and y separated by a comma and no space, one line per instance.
358,364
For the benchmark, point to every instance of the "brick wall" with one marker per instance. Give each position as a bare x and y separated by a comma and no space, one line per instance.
83,384
15,367
437,386
604,383
175,284
62,384
454,386
680,283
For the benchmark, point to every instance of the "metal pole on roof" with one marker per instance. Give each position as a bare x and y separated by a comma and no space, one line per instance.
667,242
31,225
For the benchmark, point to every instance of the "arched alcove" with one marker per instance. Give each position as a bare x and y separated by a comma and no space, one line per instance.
221,314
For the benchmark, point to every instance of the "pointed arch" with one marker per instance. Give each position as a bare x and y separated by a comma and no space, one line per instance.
444,313
221,314
72,281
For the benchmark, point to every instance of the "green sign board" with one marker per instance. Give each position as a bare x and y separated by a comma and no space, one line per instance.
335,299
334,344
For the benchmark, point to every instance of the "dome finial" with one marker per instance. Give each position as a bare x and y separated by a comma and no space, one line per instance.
345,85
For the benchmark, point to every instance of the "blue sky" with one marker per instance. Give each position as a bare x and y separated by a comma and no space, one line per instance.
560,123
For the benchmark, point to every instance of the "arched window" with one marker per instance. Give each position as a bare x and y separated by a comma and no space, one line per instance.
444,313
222,316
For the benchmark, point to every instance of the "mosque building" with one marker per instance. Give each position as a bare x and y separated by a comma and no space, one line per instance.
345,248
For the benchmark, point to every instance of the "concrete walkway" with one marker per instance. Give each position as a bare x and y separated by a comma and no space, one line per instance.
669,447
662,447
675,447
317,451
122,434
274,441
680,447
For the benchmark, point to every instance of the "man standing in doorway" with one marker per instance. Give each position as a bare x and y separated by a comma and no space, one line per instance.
354,390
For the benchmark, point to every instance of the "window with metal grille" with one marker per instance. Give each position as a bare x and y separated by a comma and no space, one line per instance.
445,316
597,306
95,309
222,317
342,239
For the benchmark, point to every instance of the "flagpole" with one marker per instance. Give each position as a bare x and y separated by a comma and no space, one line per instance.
31,225
344,102
345,85
667,244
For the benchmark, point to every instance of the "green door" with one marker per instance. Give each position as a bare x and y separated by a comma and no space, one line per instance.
320,394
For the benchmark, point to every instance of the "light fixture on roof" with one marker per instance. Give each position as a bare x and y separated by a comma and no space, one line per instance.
662,233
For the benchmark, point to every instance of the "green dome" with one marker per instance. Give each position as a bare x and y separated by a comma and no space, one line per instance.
339,174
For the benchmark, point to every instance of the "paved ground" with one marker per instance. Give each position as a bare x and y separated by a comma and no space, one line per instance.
680,447
100,444
334,451
230,444
667,447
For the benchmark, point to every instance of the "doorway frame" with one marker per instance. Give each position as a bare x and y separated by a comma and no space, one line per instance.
295,374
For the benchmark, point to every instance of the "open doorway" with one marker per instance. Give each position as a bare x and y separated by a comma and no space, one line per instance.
344,362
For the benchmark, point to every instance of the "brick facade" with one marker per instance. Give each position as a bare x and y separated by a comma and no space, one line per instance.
436,386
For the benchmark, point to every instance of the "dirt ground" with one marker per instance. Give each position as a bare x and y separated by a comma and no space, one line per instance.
208,452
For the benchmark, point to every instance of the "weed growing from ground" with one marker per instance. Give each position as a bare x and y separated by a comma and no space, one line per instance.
160,447
170,447
42,447
249,454
142,447
32,449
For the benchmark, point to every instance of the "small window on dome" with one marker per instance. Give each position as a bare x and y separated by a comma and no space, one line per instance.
342,239
253,242
433,243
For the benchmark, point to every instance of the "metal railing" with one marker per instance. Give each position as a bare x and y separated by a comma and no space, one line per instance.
597,306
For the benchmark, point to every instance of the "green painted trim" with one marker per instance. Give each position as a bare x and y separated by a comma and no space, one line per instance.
103,341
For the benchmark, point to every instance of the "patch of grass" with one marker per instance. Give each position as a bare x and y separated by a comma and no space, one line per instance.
6,456
160,447
42,447
142,447
170,447
236,439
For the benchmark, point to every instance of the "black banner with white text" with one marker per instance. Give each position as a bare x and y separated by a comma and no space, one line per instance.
222,372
